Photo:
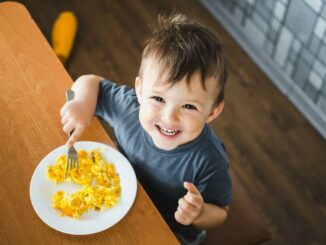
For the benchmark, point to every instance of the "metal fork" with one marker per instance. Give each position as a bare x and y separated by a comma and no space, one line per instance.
72,157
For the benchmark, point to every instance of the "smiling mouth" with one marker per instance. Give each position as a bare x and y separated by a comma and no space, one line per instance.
168,132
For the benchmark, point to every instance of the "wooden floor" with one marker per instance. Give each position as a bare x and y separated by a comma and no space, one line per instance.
278,156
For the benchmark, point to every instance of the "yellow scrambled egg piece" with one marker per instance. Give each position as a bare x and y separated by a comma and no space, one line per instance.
98,178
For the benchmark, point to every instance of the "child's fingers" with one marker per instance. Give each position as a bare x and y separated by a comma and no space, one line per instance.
179,218
182,216
194,200
184,213
186,206
63,109
64,119
191,187
71,141
75,135
193,195
68,127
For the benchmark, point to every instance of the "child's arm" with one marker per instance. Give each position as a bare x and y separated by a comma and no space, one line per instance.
193,210
78,113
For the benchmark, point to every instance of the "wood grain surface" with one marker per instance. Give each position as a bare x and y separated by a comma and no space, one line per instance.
33,84
275,152
278,156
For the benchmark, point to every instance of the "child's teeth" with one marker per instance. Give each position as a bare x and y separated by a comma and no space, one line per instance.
168,131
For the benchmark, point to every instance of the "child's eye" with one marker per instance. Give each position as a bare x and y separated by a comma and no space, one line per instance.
157,98
189,107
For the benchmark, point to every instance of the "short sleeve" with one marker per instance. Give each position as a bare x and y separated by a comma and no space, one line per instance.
114,102
216,186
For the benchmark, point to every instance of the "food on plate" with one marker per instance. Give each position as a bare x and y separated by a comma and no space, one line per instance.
98,178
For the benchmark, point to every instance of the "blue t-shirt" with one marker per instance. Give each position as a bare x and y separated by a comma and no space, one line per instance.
202,161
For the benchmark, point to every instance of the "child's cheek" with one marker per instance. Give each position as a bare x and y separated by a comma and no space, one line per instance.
148,111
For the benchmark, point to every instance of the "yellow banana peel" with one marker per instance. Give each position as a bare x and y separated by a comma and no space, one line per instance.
63,35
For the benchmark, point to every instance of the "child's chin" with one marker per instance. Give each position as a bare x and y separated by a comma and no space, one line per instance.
164,146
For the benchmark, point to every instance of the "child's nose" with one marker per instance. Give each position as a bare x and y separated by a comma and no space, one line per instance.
170,114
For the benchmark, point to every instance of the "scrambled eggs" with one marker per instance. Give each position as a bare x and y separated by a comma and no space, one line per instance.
99,180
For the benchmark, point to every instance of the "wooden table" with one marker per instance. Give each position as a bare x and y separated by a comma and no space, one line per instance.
33,84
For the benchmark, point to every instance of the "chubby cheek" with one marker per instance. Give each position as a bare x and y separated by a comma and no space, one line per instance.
147,115
193,125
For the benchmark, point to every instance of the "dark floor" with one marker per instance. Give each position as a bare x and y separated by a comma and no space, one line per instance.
278,156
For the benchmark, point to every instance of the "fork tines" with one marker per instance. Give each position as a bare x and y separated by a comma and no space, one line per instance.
72,161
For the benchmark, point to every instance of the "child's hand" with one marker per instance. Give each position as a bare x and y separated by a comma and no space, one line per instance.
190,206
75,116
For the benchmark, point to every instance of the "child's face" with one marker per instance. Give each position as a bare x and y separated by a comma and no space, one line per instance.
174,115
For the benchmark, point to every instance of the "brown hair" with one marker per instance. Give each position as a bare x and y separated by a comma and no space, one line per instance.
185,47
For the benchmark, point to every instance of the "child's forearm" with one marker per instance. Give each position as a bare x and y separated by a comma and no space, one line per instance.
86,87
211,216
77,114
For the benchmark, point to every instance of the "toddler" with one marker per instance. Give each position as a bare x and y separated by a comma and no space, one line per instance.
161,125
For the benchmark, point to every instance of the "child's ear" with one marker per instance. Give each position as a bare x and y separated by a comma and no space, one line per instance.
215,112
138,88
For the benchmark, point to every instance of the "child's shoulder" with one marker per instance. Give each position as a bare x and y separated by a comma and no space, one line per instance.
117,92
216,145
116,103
106,84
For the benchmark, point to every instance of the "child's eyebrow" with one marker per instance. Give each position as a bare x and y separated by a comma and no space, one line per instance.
191,101
156,91
194,101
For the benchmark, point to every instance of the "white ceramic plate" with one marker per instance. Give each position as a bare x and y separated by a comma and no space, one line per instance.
42,189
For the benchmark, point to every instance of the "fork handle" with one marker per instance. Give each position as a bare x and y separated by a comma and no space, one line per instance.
70,95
